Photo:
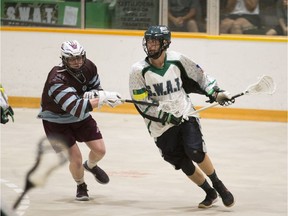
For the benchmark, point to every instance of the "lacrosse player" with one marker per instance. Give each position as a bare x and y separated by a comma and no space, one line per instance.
6,109
168,76
71,91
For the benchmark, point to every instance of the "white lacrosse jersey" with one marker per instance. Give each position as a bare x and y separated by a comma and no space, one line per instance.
178,77
3,98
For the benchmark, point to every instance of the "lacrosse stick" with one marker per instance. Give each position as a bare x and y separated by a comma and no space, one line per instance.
171,106
141,102
46,162
264,85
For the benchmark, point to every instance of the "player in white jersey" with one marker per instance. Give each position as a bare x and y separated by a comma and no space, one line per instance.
6,109
170,76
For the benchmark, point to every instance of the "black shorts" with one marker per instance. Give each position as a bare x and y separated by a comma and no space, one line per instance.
179,142
253,19
82,131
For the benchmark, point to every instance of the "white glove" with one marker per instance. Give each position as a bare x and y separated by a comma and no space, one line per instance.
91,94
112,99
224,98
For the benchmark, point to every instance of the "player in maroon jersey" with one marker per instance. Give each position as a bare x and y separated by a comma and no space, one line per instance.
71,91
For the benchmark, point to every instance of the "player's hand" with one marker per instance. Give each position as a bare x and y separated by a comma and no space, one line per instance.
221,96
112,99
224,98
90,94
168,118
5,114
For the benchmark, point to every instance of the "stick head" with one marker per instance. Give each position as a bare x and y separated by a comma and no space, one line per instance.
51,154
265,84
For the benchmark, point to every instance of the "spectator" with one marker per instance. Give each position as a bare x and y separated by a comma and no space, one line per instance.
281,12
240,16
183,15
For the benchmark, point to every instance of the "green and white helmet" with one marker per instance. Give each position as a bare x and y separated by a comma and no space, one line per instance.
160,33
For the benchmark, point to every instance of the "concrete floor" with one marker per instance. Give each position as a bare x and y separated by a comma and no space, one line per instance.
250,158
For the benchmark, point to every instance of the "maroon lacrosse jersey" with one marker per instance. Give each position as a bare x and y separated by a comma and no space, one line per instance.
62,100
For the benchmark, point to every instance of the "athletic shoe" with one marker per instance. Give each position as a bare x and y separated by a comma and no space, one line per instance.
211,197
226,195
98,173
82,194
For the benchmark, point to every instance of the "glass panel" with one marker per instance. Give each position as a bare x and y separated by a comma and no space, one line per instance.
187,15
265,17
41,13
135,14
255,19
122,14
98,14
274,16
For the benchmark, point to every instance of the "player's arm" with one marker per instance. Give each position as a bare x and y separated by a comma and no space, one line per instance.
67,97
97,98
205,83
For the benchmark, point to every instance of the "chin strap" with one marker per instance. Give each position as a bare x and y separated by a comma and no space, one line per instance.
78,75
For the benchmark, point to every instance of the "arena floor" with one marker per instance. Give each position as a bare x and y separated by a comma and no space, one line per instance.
250,158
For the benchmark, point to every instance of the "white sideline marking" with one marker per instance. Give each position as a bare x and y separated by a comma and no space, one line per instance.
25,202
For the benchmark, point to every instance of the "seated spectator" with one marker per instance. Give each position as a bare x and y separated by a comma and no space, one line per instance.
240,16
183,15
281,12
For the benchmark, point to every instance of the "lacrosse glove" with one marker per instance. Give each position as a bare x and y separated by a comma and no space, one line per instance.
90,94
221,96
168,118
112,99
5,114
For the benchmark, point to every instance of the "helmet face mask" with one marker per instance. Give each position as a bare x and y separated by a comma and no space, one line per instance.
73,55
152,35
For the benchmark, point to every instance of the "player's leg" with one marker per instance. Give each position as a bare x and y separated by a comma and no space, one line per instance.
207,167
195,175
196,150
97,152
170,145
77,172
75,166
75,158
87,131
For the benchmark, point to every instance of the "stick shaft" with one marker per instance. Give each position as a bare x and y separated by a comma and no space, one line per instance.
238,95
142,102
16,204
204,108
215,104
195,112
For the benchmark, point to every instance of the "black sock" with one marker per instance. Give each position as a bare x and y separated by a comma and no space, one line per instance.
214,178
206,186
